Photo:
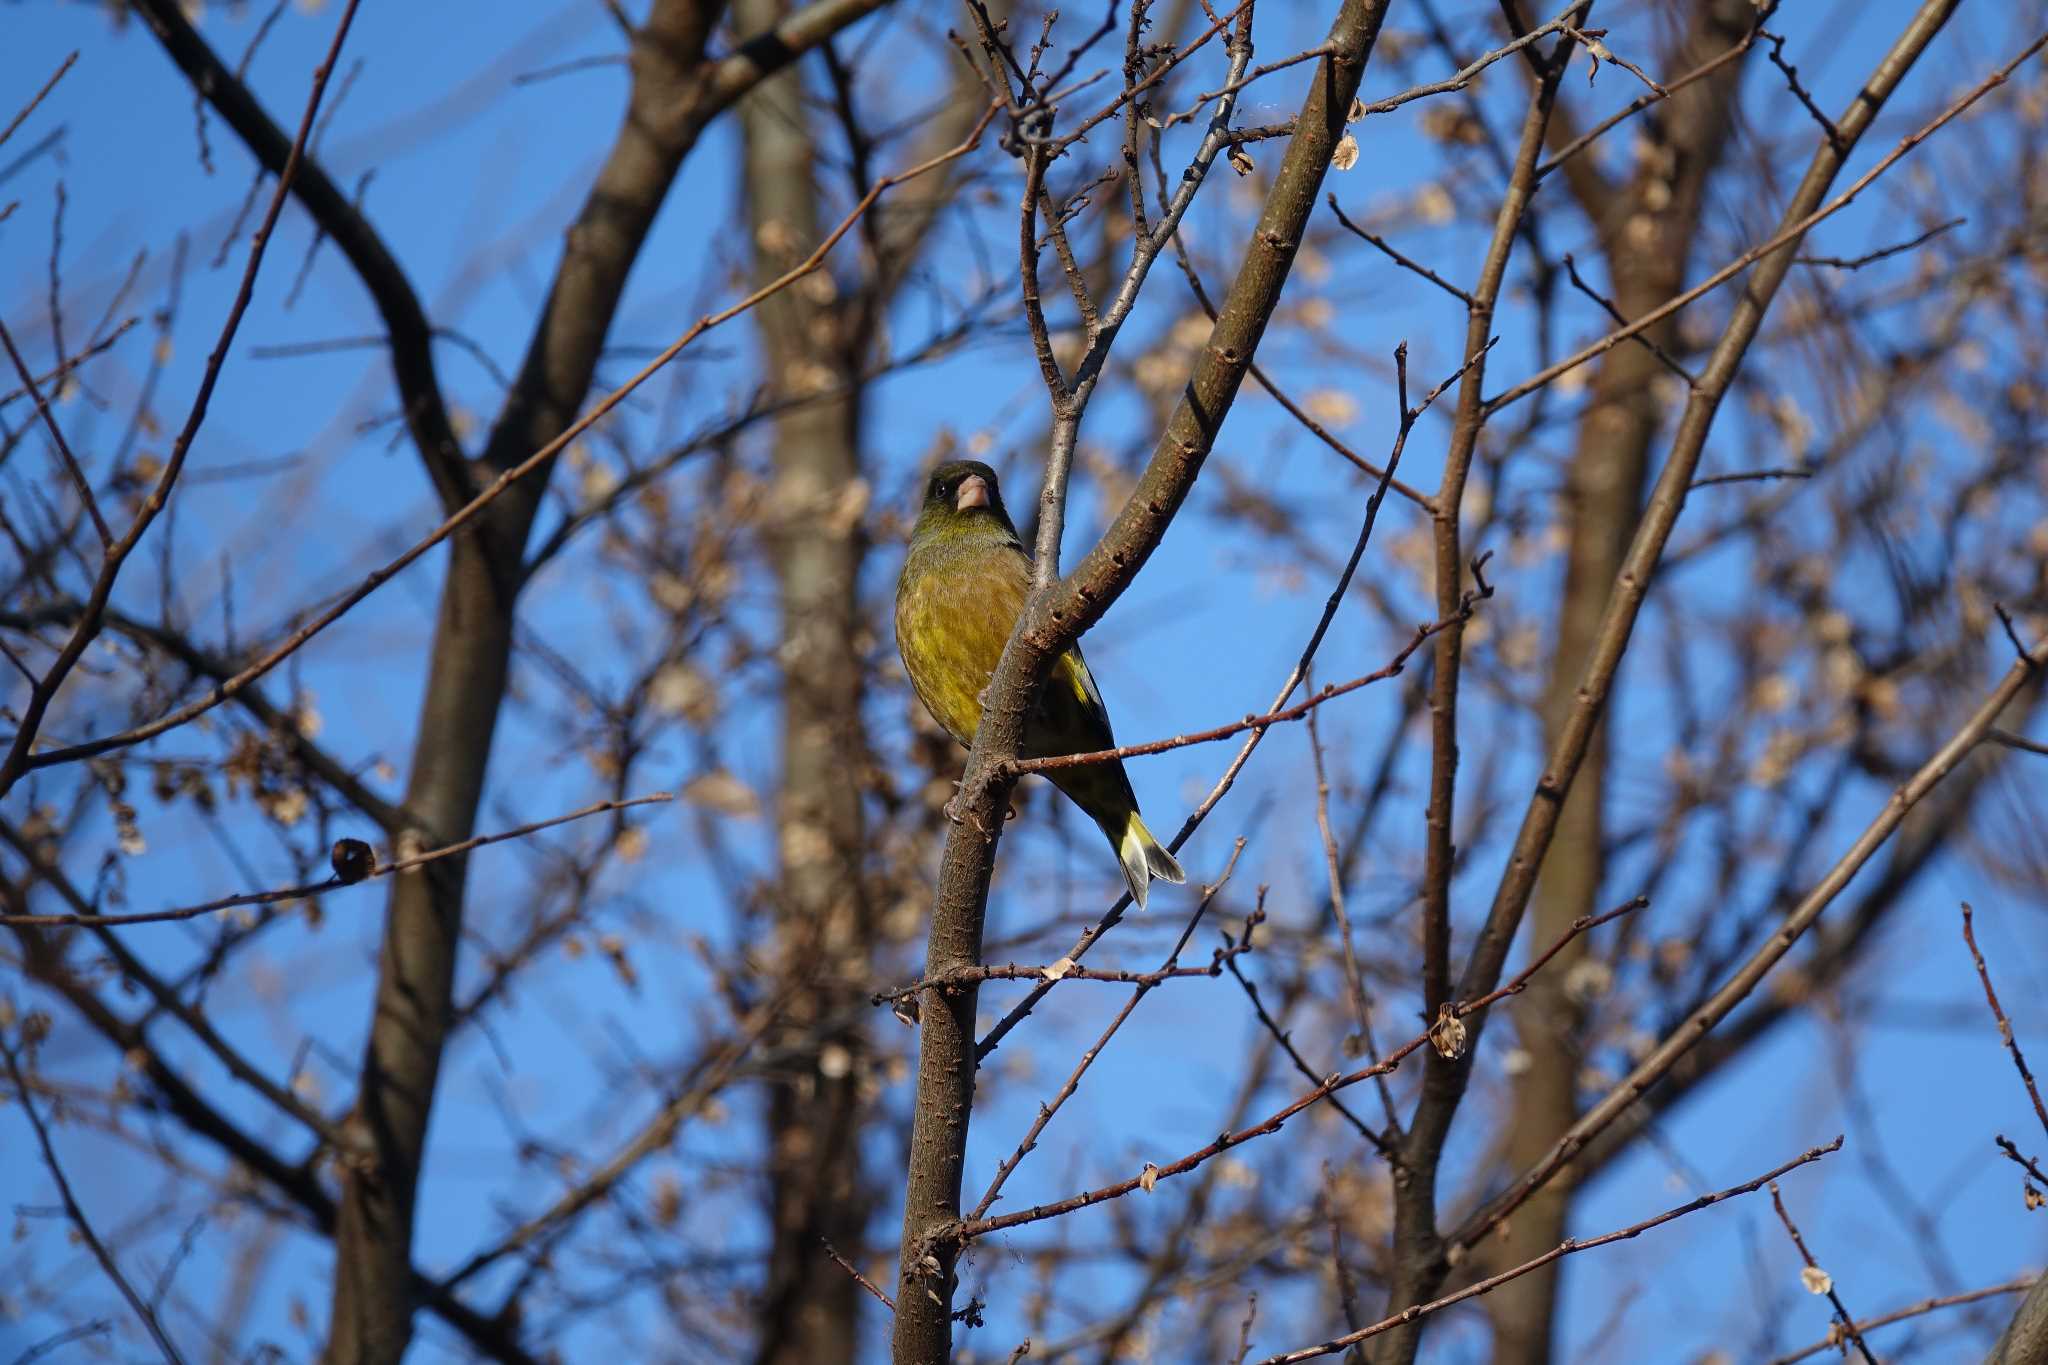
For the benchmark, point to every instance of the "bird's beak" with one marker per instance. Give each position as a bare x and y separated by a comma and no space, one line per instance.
973,492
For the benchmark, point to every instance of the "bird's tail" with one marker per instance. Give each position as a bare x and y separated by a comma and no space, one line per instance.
1144,858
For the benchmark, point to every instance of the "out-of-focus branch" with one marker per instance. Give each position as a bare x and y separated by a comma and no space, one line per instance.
714,1072
1925,1306
1574,731
677,90
18,760
1446,1037
388,818
1563,1249
1793,227
79,1221
1796,923
351,877
175,1096
79,482
406,330
135,970
475,510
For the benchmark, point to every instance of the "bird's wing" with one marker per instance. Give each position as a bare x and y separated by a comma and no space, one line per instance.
1071,672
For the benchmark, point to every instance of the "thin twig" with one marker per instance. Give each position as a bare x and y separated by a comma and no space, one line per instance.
1056,971
1828,1343
470,511
1393,668
1791,232
1842,1318
1642,102
297,893
1571,270
1047,1110
1857,262
77,1214
1777,57
1463,76
863,1281
1750,476
2005,1033
2021,742
1563,1249
18,760
37,98
1333,869
970,1229
2025,1163
1439,281
71,465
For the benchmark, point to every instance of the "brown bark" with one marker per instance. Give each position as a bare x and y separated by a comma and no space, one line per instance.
1417,1247
1646,230
1054,618
372,1311
675,92
809,1311
2025,1340
1422,1262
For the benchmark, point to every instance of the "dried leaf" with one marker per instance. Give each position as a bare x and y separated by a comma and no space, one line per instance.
1447,1034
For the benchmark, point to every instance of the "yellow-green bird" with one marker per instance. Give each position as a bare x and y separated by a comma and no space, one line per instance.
962,590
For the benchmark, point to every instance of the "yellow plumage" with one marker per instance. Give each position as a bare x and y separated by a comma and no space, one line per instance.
962,590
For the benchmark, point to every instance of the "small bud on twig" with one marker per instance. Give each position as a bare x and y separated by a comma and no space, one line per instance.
352,860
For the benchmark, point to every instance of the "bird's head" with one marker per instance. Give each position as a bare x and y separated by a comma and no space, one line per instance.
960,499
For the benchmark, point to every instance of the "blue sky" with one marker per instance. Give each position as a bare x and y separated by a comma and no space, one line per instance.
475,176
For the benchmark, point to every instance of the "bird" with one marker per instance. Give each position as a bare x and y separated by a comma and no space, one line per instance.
963,587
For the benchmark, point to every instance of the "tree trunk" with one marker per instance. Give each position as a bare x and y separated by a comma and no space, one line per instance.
371,1322
1647,228
810,1308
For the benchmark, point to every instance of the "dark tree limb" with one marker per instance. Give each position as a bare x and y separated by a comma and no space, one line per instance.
1415,1242
406,329
1574,731
1646,229
1055,617
676,92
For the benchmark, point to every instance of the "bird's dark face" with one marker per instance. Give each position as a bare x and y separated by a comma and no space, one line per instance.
963,492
